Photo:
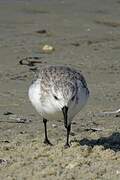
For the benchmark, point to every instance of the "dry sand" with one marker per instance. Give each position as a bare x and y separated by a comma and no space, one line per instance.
86,35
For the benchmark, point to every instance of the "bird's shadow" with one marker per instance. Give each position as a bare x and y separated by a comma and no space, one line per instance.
111,142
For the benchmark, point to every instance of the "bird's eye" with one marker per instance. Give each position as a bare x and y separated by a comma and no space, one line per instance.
55,97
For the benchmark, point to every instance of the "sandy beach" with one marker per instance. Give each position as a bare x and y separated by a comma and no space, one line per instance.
85,35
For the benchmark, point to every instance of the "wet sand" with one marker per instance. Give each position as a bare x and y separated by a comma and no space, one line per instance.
85,35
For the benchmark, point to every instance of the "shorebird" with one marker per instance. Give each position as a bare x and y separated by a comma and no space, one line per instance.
59,92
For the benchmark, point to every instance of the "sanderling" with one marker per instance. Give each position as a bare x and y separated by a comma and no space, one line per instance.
59,92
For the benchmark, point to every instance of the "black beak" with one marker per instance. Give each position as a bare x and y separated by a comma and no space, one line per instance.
65,110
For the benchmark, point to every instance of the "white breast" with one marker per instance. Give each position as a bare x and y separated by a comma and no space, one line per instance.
47,109
34,94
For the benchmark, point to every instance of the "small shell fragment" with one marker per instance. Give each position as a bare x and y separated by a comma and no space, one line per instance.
54,125
48,48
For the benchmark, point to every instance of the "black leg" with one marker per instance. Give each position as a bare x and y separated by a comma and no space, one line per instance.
68,133
46,141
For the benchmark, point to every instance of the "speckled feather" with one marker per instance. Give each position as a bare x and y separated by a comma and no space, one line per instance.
61,77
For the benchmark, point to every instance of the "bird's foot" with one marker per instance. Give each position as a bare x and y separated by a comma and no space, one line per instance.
47,142
67,145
